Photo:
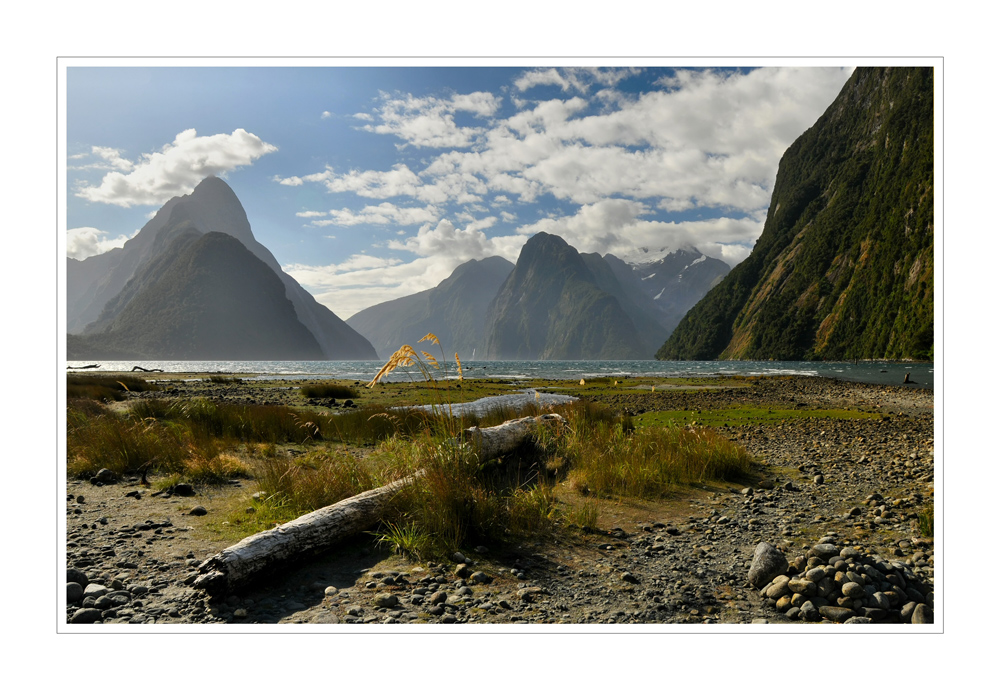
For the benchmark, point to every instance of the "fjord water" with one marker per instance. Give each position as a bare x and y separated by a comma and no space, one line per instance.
892,373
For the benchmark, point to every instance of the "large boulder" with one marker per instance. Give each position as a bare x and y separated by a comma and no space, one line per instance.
767,564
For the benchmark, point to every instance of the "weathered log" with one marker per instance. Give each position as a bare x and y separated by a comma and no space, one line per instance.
494,441
86,366
316,531
310,533
138,368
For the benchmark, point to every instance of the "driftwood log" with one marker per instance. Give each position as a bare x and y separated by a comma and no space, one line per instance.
494,441
138,368
313,532
86,366
237,565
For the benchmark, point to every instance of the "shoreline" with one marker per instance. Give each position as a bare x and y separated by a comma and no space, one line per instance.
679,560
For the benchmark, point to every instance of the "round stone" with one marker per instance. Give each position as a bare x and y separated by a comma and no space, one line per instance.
86,616
385,600
804,587
815,574
95,590
74,592
78,576
853,590
922,615
766,565
824,552
836,613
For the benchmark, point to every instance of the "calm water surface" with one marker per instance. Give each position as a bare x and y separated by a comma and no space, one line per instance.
921,374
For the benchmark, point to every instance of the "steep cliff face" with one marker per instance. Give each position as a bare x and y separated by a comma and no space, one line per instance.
454,310
844,267
101,286
551,306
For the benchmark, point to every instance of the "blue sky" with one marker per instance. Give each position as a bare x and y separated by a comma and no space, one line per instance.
370,183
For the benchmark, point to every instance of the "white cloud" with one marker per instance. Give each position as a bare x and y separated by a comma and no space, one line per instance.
430,121
615,226
445,241
573,78
84,242
177,168
311,214
326,114
365,280
383,214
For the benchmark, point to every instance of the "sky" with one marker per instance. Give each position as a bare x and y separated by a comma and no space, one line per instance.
371,183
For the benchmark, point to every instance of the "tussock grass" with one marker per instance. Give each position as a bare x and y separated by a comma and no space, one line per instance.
327,390
459,500
612,459
104,387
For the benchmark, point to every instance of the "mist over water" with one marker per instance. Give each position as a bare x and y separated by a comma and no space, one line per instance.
921,374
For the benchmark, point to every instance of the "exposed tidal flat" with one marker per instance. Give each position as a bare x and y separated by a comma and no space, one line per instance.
842,485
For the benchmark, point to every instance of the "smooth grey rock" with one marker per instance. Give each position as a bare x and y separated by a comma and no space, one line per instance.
809,611
106,476
86,616
766,565
800,586
778,587
922,615
74,592
856,620
815,574
836,613
78,576
824,551
95,590
853,590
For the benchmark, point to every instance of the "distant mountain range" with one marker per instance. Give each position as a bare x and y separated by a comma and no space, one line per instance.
555,303
844,267
194,283
454,311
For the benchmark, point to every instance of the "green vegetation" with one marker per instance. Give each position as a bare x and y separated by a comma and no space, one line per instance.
104,387
303,460
734,416
844,267
611,460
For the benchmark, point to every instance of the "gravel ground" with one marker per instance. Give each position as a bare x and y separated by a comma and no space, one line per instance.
854,485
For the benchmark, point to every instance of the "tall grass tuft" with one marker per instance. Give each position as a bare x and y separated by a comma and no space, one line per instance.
105,387
610,458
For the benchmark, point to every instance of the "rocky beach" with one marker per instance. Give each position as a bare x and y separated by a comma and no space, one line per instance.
827,532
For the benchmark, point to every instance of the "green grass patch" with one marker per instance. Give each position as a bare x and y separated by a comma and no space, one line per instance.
104,386
735,416
608,460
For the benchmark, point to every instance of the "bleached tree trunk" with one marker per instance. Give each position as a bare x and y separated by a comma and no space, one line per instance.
316,531
313,532
494,441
